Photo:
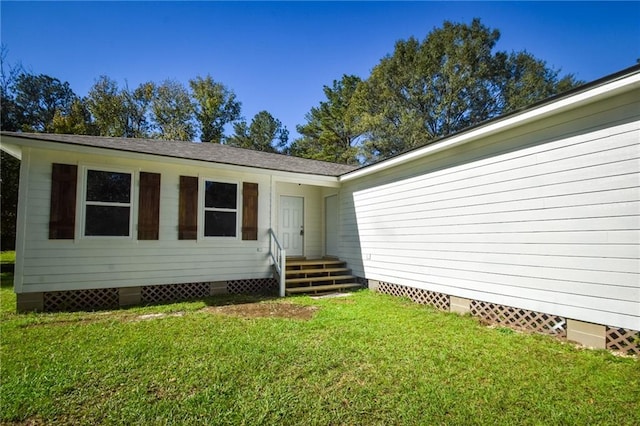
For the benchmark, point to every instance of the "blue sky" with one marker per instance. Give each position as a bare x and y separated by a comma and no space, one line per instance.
277,56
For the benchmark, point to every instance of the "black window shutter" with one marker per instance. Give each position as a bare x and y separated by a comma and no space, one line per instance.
249,211
62,214
188,210
149,206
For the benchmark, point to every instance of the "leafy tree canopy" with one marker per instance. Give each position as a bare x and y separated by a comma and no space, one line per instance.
120,112
214,106
76,122
332,130
172,111
449,81
38,97
265,133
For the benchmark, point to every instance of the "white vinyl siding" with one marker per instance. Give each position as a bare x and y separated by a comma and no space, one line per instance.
52,265
545,218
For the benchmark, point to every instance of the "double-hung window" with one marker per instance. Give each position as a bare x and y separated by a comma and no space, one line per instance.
107,203
220,209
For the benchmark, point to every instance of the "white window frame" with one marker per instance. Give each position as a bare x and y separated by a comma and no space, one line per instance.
202,208
84,203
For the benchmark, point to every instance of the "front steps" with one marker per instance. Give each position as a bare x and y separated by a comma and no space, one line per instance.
318,276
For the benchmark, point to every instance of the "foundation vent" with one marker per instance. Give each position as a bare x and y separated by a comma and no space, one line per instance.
623,340
423,297
523,318
81,300
252,286
173,292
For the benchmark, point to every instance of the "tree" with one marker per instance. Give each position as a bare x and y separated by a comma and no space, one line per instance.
172,111
430,88
9,179
265,133
449,81
137,106
76,122
529,80
9,166
38,97
106,105
9,119
331,132
215,106
120,112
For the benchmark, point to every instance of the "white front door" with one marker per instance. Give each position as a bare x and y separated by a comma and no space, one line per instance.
292,224
331,225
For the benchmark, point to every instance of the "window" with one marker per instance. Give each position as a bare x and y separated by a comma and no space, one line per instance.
108,204
220,209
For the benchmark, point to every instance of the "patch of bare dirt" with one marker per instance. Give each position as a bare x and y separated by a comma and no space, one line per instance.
265,310
159,315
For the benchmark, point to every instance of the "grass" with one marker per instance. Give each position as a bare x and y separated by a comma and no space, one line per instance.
364,359
7,257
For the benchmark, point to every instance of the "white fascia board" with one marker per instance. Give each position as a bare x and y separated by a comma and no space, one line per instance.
302,178
582,98
11,149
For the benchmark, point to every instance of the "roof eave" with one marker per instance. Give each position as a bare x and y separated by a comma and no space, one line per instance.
14,144
11,149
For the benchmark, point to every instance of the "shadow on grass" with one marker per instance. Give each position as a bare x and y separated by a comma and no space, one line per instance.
6,279
217,300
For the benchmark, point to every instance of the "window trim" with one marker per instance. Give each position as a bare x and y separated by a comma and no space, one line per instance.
202,209
82,200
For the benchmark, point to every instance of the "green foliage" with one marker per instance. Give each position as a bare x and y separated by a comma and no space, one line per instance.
529,80
8,257
38,98
76,122
120,112
265,133
137,105
9,73
451,80
9,179
106,105
365,359
172,111
215,106
332,129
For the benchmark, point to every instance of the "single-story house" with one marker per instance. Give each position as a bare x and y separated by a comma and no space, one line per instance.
532,217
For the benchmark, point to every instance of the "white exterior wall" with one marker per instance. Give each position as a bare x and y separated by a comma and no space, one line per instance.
544,217
51,265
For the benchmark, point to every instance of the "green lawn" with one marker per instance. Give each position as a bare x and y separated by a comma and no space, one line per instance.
7,257
364,359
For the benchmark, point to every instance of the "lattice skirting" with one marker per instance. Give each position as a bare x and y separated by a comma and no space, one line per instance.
418,295
81,300
624,340
174,292
253,286
109,298
529,320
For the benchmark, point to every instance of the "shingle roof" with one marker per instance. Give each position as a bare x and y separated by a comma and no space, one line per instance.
209,152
